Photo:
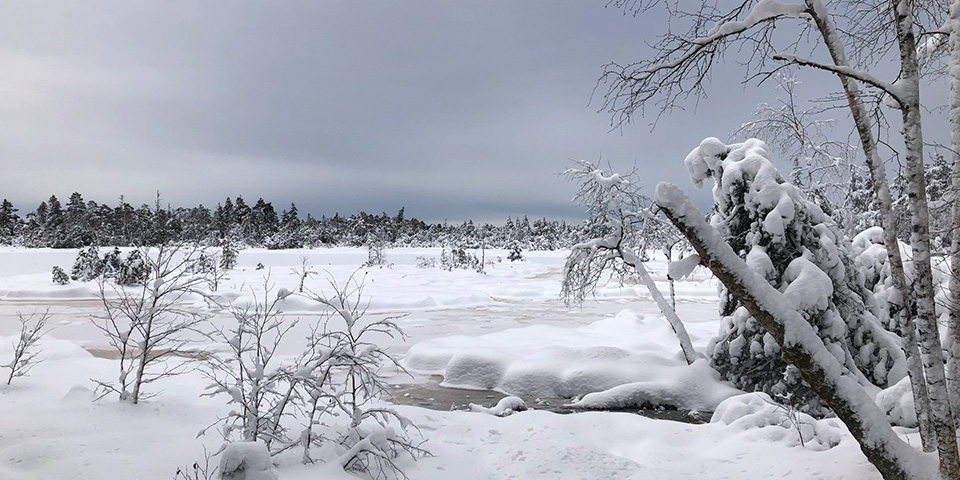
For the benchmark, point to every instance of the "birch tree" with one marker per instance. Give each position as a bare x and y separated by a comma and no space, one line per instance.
681,68
616,208
953,320
799,134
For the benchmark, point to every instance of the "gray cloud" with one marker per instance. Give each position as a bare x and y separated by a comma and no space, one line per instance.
454,110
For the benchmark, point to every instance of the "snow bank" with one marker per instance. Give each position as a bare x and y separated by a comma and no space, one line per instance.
897,403
505,407
639,354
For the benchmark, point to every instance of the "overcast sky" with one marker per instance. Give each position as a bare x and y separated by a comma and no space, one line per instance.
454,110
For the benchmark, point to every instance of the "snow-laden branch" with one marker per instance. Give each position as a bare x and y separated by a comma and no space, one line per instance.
889,88
683,61
765,11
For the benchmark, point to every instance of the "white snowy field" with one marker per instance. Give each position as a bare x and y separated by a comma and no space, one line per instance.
506,331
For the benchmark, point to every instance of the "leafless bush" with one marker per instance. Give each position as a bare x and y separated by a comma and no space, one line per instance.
370,444
198,471
304,271
337,374
148,324
25,351
260,391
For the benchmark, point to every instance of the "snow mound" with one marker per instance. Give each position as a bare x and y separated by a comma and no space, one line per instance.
897,403
697,387
505,407
247,461
763,420
476,369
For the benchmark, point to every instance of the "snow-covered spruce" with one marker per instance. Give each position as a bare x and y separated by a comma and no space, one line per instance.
58,276
801,251
838,386
87,266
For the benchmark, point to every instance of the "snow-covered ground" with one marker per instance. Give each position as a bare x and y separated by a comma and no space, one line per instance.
505,330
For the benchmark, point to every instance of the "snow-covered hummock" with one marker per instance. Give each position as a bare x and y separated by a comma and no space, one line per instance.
247,461
768,421
897,402
792,243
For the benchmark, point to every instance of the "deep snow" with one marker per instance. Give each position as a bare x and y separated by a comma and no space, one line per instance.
505,330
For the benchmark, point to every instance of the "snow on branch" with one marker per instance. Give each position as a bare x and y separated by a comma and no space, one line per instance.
683,61
889,88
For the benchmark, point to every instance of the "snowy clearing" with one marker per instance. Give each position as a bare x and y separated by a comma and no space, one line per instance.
504,331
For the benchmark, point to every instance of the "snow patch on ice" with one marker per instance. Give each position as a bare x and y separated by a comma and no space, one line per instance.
696,387
505,407
550,361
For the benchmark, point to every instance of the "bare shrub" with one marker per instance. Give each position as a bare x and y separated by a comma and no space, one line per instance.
260,391
148,324
26,350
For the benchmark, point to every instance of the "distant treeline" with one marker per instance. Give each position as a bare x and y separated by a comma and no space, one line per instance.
80,224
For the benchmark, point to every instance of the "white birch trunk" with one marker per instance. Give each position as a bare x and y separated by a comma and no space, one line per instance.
927,329
953,322
630,258
881,189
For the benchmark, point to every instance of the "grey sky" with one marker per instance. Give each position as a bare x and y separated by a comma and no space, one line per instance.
455,110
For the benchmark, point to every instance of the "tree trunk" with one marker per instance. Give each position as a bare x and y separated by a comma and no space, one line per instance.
927,329
630,258
953,307
881,189
801,345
